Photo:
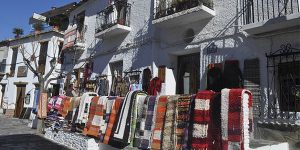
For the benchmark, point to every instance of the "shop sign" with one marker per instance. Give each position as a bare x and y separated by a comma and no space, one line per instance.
212,48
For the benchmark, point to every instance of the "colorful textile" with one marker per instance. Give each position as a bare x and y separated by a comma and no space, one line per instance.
169,125
66,104
93,124
109,103
182,119
135,87
155,86
159,122
235,112
84,107
201,136
112,119
140,119
149,123
138,100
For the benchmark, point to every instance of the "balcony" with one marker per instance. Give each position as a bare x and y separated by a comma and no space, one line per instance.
113,20
74,39
170,13
268,16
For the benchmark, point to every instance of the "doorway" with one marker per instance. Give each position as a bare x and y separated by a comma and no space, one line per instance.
3,92
188,75
19,100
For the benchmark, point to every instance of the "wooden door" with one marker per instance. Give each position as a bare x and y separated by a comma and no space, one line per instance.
19,100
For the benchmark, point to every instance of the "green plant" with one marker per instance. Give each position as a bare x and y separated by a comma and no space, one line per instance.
55,22
18,32
39,26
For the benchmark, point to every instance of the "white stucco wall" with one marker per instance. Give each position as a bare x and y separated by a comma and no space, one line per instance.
11,89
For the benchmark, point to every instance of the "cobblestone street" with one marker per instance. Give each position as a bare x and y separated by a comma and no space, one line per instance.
15,135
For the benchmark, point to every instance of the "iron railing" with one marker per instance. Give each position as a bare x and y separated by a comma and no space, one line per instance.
168,7
117,13
260,10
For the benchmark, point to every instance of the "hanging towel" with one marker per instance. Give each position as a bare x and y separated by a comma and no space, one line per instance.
235,116
169,125
159,122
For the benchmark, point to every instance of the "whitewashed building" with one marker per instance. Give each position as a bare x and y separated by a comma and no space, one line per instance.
252,44
20,82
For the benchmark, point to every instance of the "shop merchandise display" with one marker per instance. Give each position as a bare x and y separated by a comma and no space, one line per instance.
207,120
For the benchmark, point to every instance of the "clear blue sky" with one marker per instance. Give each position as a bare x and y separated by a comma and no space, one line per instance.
16,13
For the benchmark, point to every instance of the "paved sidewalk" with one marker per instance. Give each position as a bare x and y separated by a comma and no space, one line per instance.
15,135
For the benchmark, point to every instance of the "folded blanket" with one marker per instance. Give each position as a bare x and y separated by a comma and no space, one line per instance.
159,122
236,104
140,119
108,107
93,123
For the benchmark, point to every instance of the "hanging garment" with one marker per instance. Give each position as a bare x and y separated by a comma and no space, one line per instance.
236,118
140,119
103,87
214,77
159,122
182,119
147,75
138,101
148,126
92,126
168,141
233,77
201,136
155,86
108,108
84,107
113,118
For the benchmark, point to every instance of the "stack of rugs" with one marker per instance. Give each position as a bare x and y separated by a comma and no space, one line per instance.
205,121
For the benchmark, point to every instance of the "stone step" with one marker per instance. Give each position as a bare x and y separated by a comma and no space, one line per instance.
268,145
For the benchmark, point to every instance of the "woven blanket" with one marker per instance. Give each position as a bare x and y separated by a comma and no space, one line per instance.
182,119
113,118
109,103
123,126
66,104
235,112
93,124
148,125
201,136
159,122
139,99
84,107
169,124
140,119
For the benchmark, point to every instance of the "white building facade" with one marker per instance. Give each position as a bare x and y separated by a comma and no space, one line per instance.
20,82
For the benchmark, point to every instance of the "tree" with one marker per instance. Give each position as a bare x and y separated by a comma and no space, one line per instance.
31,56
18,32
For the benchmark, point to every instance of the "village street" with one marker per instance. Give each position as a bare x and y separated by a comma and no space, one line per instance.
15,135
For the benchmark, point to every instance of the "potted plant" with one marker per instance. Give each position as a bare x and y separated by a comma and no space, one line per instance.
38,27
55,22
18,32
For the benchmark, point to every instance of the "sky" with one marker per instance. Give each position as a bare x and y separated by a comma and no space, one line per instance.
16,13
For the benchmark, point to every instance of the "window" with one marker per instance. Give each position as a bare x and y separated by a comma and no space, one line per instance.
13,61
289,85
43,57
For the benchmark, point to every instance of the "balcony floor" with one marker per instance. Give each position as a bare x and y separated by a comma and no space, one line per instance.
113,31
185,17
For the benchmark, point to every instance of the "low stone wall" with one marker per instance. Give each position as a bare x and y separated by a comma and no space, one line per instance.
72,140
